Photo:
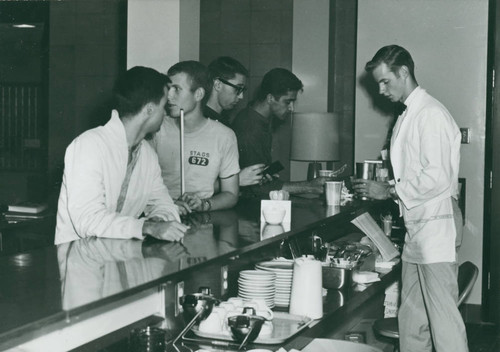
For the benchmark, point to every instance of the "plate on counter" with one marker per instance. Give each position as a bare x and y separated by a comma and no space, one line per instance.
285,325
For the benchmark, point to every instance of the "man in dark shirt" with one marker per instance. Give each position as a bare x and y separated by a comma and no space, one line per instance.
253,127
228,77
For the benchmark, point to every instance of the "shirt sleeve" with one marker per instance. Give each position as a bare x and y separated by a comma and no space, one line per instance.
86,199
433,164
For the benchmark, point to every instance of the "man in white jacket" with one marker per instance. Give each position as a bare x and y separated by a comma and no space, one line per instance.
112,176
425,156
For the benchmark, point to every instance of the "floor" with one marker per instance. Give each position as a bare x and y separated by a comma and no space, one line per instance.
482,337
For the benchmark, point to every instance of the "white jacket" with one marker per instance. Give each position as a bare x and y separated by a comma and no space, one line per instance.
95,168
425,155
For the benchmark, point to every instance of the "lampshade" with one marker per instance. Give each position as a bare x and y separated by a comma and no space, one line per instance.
315,136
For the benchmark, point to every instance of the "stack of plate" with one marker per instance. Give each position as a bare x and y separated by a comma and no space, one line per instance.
284,271
257,284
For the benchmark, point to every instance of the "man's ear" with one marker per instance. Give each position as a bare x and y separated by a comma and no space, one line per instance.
149,108
199,93
270,98
217,85
404,71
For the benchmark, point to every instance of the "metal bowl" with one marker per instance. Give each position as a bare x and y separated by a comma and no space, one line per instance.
336,278
243,325
193,303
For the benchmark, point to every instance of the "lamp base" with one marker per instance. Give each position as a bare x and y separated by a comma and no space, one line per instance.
313,170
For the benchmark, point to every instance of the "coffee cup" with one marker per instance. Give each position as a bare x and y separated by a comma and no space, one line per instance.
228,306
212,324
325,173
236,301
258,307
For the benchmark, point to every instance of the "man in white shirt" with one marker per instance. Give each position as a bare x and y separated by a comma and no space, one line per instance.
210,148
425,156
111,175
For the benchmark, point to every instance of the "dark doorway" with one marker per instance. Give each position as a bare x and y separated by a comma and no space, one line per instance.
491,250
23,85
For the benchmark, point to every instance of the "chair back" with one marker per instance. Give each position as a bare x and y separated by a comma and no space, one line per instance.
467,275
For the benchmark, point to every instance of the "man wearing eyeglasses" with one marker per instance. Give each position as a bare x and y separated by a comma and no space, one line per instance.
229,78
210,148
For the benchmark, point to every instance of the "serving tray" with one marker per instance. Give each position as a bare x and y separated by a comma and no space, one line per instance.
285,325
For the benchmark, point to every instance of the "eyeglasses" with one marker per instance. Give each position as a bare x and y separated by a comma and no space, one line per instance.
239,89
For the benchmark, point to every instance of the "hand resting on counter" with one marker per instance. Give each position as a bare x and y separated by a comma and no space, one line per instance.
164,230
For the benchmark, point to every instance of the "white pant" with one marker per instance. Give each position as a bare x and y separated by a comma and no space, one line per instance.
428,313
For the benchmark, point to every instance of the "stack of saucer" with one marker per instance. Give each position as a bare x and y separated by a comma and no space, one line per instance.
283,269
256,284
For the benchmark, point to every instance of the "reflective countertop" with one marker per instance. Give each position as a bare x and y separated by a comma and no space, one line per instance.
57,282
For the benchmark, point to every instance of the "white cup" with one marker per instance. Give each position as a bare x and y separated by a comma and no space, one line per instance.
332,210
236,301
326,173
261,308
228,306
212,324
333,191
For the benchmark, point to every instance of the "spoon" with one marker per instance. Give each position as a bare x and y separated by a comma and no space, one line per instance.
245,339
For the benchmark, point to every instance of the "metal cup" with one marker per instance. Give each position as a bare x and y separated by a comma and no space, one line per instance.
365,171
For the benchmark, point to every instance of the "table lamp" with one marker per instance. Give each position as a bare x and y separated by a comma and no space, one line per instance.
315,138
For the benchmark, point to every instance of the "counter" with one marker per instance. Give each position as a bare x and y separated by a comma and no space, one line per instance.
88,290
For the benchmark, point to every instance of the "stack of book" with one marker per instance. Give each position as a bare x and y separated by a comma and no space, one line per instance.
26,210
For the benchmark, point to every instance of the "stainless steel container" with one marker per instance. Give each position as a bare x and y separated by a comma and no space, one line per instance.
337,278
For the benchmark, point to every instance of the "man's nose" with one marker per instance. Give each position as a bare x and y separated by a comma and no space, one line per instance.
381,89
290,106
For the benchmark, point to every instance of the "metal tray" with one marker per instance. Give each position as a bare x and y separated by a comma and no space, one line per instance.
285,325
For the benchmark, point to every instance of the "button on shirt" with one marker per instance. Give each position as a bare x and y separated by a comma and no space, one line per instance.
425,155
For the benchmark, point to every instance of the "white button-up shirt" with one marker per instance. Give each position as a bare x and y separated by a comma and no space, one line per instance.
425,155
